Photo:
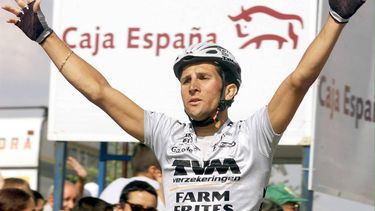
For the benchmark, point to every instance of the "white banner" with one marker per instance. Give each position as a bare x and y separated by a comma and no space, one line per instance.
134,44
343,156
20,142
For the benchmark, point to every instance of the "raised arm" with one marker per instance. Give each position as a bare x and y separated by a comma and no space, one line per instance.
78,72
80,171
290,93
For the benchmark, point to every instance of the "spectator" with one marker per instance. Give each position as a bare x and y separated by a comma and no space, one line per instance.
72,191
146,168
13,182
69,198
15,199
138,195
284,197
269,205
92,204
90,189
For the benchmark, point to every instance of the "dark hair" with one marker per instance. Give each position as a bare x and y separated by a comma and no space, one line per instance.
269,205
37,195
136,185
143,158
14,199
92,204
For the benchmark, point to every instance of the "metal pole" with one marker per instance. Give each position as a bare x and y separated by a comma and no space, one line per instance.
58,185
103,158
102,165
306,193
125,147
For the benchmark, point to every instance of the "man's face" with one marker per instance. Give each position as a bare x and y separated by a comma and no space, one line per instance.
70,196
200,90
143,199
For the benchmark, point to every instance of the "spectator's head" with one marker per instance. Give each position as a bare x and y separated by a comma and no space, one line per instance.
138,195
39,200
91,189
284,197
70,196
15,199
144,162
269,205
19,183
92,204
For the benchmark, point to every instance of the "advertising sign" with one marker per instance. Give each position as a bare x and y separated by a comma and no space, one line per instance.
343,156
19,142
134,45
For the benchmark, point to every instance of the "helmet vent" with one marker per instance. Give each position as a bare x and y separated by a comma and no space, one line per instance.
212,52
187,58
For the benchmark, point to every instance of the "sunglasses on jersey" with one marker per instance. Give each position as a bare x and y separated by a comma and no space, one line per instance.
138,207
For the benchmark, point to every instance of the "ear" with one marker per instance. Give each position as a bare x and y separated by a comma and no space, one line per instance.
230,91
154,171
118,207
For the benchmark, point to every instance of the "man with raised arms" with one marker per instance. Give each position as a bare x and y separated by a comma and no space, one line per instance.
210,163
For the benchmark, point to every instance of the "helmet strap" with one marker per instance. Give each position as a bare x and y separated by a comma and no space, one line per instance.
202,123
223,103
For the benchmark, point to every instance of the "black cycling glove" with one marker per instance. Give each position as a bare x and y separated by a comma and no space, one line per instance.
342,10
33,24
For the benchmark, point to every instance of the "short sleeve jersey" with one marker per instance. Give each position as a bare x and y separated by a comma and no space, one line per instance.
231,174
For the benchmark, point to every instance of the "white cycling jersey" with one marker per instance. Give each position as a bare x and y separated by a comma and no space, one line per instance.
231,174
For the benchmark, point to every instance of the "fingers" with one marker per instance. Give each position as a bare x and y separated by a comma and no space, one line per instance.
14,21
36,5
11,9
21,3
14,11
71,161
19,12
24,5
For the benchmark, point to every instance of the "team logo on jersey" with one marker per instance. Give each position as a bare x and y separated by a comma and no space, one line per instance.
182,167
227,139
225,142
186,145
192,171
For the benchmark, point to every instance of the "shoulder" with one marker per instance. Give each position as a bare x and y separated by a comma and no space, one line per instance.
158,118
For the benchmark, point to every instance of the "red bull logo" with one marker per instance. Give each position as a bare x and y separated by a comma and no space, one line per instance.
245,17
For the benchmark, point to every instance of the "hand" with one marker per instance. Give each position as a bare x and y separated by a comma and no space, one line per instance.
77,167
342,10
30,20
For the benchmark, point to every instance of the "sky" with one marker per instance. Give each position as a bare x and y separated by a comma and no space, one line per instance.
24,81
24,70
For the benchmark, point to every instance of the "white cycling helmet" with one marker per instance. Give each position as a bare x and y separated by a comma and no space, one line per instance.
210,52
